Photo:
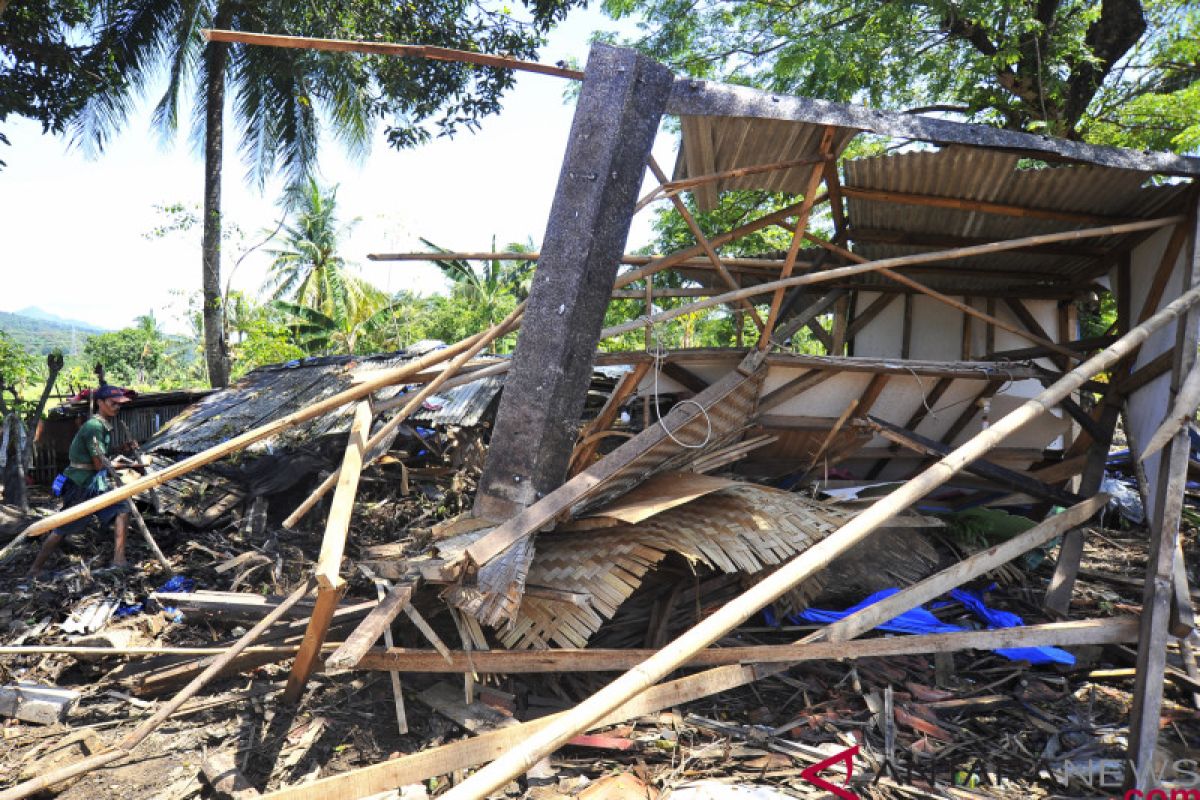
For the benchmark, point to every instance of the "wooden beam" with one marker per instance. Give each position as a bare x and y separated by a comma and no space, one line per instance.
389,49
1079,345
909,238
1162,275
1110,631
370,629
330,584
869,313
337,525
314,639
794,387
906,329
810,191
807,316
928,402
690,380
672,187
984,469
978,206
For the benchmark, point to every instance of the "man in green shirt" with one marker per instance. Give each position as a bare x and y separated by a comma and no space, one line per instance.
87,477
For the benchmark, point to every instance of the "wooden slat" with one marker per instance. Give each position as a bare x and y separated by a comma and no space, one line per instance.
370,629
983,206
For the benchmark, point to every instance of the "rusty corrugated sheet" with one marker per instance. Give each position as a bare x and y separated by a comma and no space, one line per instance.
717,144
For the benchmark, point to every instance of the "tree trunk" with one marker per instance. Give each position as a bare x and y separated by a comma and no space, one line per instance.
216,349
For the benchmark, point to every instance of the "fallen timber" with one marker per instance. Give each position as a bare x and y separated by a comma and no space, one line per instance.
520,758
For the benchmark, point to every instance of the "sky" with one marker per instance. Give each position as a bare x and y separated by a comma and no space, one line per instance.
74,229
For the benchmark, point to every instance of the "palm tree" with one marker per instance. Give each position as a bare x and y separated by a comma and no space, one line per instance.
308,270
490,291
279,96
318,333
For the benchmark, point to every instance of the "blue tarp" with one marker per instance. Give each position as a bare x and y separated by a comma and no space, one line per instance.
921,621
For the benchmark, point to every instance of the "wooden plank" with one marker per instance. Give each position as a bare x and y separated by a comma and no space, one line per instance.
906,328
333,543
964,350
370,629
984,469
1031,324
314,639
1096,631
914,239
1163,274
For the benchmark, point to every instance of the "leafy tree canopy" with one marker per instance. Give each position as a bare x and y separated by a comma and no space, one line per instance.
1121,72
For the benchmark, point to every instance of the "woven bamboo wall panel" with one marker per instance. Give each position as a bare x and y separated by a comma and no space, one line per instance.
742,529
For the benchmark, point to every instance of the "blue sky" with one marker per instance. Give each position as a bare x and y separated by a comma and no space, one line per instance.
74,229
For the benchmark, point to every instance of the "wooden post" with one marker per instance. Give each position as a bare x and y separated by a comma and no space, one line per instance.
522,756
330,584
1160,568
616,119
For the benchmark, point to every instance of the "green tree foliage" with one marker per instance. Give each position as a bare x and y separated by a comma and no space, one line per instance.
1111,71
481,293
17,367
48,66
281,97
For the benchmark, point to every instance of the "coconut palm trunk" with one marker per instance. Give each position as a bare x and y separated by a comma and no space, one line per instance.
216,349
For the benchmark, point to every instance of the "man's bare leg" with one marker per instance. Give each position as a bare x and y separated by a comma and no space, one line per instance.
120,527
49,545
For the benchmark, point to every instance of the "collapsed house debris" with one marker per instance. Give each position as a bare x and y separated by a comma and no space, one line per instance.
551,536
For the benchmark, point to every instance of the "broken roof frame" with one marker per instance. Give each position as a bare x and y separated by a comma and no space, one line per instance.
1156,378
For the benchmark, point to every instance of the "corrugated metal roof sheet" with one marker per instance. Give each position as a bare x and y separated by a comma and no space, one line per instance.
269,393
717,144
464,405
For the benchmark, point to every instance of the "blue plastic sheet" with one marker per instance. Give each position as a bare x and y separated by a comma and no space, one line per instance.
921,621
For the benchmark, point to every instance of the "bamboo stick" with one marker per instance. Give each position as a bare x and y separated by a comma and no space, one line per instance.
739,172
139,522
1182,412
484,339
631,260
702,240
521,757
389,49
135,737
384,378
889,263
789,263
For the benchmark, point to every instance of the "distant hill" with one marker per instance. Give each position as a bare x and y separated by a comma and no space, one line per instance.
44,333
33,312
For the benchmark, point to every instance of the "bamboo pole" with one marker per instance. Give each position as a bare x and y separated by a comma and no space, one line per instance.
487,337
789,263
757,169
702,240
889,263
135,737
630,260
139,522
389,49
965,308
384,378
520,758
1182,412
